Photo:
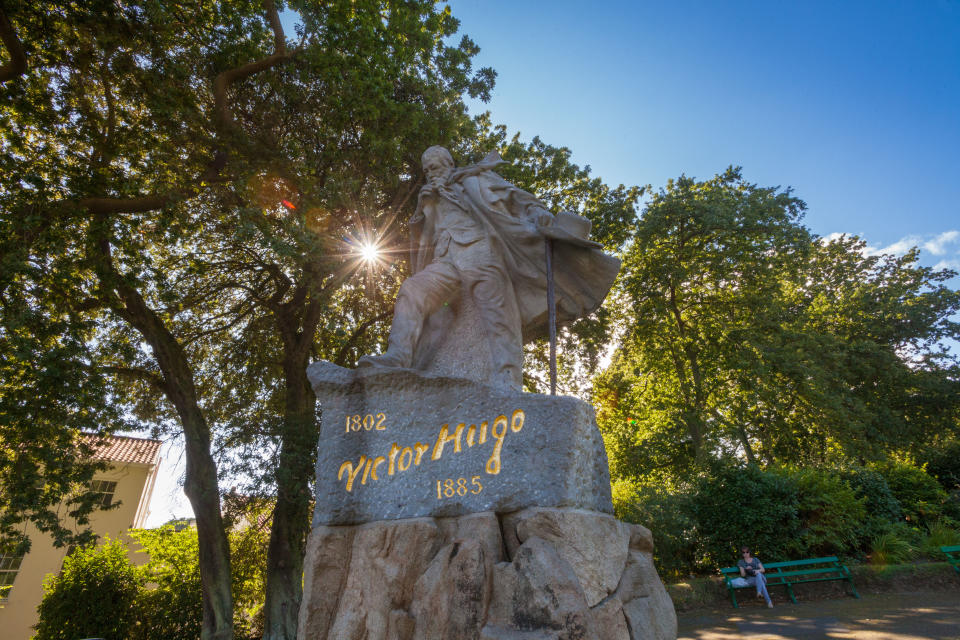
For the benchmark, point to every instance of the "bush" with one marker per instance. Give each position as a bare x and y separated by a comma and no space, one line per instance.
737,506
94,596
883,509
831,515
943,464
101,594
920,496
890,548
668,515
941,534
173,609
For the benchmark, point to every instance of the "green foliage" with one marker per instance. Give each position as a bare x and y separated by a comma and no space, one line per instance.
669,515
830,513
94,595
943,463
882,508
104,595
890,548
173,608
736,506
921,496
746,337
941,534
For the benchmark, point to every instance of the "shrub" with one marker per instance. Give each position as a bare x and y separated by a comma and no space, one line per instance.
941,534
883,509
831,515
943,463
94,596
890,548
920,496
173,609
669,517
743,505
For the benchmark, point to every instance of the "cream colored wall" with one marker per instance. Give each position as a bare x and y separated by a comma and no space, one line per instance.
18,613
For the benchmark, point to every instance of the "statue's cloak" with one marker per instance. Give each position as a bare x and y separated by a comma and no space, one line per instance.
582,274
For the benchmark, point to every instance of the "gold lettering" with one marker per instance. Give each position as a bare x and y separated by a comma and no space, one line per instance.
366,471
408,452
493,464
352,472
483,433
376,461
516,421
443,439
394,450
471,432
421,449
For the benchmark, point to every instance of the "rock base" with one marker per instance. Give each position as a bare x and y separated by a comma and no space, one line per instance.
534,574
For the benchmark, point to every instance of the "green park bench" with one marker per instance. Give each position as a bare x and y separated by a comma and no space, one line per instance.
953,555
794,572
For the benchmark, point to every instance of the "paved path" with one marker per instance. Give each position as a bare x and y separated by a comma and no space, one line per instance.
903,616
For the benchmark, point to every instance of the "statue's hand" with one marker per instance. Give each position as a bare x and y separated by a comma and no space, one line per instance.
542,218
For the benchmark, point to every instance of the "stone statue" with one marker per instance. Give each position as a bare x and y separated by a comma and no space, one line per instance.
479,240
448,503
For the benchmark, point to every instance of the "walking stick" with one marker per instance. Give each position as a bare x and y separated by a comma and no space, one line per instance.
551,316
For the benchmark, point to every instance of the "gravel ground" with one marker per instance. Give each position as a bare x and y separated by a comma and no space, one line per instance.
900,616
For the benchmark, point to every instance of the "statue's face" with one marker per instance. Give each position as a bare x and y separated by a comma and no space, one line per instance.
437,168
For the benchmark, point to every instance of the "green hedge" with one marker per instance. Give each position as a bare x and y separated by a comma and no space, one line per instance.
787,513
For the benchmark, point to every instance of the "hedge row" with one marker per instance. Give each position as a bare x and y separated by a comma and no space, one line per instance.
789,513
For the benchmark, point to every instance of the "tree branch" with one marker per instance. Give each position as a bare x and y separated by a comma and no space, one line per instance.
18,59
127,205
222,114
138,374
352,341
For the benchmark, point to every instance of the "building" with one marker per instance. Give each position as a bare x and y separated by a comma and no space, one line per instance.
134,463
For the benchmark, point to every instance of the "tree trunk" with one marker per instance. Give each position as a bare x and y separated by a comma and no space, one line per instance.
200,484
295,468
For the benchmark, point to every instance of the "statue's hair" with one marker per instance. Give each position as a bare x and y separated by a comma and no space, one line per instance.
438,150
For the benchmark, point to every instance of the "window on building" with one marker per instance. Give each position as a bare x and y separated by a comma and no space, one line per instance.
105,488
9,566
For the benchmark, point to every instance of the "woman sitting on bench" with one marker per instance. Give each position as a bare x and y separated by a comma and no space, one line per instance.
752,569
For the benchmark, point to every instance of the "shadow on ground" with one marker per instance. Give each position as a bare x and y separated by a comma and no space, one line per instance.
903,616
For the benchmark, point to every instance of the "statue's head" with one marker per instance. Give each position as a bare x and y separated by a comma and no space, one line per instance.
437,164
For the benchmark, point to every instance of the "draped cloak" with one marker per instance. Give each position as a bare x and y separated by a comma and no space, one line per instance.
582,275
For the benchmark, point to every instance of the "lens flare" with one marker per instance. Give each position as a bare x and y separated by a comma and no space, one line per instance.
369,252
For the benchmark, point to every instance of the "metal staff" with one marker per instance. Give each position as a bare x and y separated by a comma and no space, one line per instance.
551,316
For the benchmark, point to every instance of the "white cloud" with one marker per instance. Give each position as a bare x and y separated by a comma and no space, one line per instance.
953,265
836,235
898,248
938,246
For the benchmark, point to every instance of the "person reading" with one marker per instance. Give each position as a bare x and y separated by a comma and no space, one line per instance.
752,570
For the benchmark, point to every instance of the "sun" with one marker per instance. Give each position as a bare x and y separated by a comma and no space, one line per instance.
369,252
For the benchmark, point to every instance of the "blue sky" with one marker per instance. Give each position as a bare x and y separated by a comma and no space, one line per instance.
854,104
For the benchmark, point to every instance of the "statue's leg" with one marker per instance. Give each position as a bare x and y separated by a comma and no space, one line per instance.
493,292
420,295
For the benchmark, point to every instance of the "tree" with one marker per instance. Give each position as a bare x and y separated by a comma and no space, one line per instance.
135,133
206,184
747,336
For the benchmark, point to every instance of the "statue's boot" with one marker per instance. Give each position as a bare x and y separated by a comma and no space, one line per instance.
387,361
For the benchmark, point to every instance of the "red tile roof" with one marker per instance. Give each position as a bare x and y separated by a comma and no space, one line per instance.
126,449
